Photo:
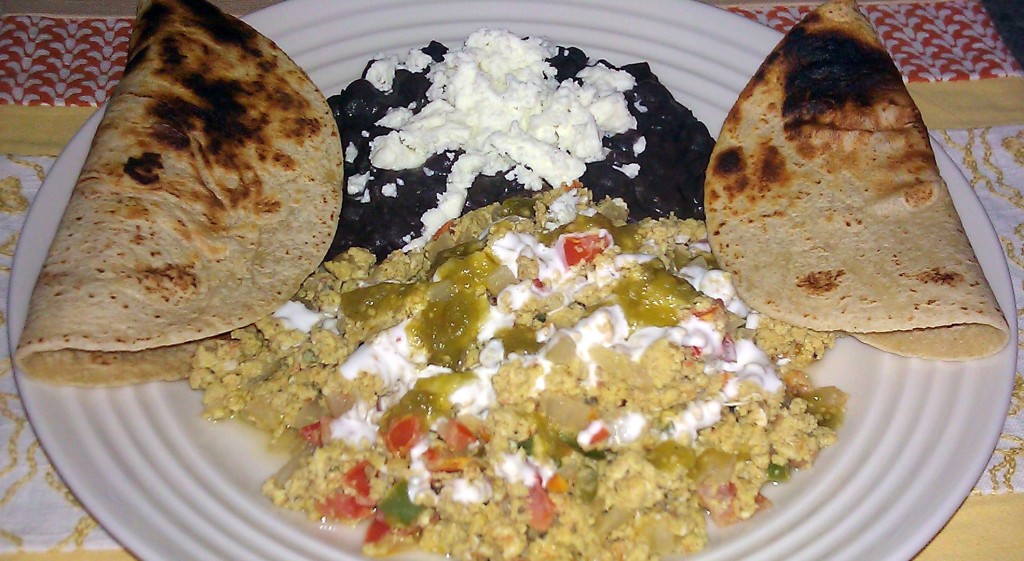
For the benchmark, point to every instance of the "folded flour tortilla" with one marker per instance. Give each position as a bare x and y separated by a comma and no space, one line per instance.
824,200
211,191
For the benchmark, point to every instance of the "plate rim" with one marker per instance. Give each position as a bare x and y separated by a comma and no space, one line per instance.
276,13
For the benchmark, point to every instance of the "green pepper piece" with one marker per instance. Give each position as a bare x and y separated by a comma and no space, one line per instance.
671,456
571,442
397,508
522,207
828,405
586,483
777,473
546,442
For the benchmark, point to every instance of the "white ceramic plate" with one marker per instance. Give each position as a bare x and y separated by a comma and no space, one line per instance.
172,486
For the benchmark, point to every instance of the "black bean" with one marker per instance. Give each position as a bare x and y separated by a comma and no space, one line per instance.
670,178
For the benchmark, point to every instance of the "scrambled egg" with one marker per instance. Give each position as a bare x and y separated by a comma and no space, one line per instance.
540,381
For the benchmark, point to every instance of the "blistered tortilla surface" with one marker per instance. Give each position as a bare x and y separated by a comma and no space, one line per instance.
211,190
825,202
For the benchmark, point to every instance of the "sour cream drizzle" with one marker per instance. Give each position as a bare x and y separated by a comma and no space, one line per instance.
295,315
390,357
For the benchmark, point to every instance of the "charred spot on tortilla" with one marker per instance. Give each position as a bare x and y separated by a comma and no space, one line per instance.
229,132
730,161
771,166
831,70
170,52
939,276
730,164
267,206
223,29
820,282
135,58
285,161
145,169
920,194
169,136
303,127
149,19
175,279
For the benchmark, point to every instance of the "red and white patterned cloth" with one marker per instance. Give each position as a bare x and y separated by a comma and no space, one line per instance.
77,61
929,41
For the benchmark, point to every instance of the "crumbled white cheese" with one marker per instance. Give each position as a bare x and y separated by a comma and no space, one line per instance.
465,491
562,210
628,428
629,170
606,80
496,98
395,118
639,146
357,184
382,72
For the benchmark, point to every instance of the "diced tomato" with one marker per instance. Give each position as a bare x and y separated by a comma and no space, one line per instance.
720,502
312,434
583,247
600,436
357,480
558,484
377,531
542,508
342,506
444,228
456,435
433,454
403,433
449,464
538,284
708,313
442,460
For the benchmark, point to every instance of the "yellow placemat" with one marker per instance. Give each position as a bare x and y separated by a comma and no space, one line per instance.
39,130
970,104
986,528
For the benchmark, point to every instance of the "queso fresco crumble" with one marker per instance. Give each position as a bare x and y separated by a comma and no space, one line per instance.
540,380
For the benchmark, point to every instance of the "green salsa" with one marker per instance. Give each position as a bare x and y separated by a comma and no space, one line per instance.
457,306
519,339
364,304
429,398
654,297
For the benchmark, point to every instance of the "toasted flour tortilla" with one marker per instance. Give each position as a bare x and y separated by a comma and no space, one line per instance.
824,200
211,191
